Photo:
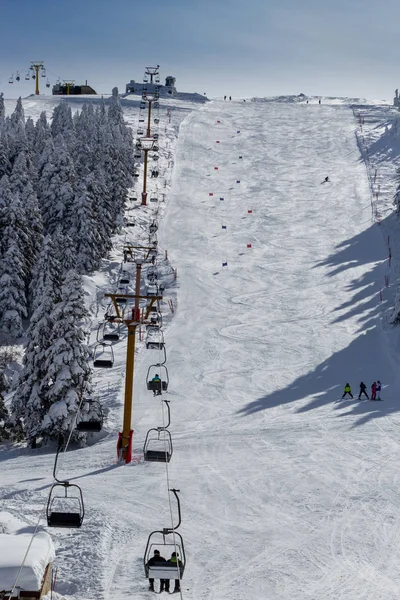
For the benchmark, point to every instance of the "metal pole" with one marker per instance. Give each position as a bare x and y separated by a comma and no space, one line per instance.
144,193
130,365
148,120
130,368
37,80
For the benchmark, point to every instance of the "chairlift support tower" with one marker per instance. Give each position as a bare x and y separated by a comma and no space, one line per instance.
125,438
37,66
68,84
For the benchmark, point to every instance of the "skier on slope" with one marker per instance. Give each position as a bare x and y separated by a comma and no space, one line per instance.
378,390
373,391
326,180
347,390
363,390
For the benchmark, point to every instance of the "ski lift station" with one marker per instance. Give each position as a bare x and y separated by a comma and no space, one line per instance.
169,89
34,580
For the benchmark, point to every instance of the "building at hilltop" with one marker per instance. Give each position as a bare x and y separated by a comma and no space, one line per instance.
396,99
169,89
68,88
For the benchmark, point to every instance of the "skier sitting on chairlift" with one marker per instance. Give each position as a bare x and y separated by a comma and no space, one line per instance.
175,561
157,379
155,560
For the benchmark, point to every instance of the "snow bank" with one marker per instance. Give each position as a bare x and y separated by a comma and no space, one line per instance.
12,552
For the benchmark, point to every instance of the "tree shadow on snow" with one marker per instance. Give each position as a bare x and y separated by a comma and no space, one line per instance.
360,360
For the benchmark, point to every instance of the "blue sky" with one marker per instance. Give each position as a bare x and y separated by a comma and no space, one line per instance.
238,48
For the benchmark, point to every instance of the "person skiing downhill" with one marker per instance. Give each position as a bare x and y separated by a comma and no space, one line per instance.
347,390
326,180
373,391
363,390
378,390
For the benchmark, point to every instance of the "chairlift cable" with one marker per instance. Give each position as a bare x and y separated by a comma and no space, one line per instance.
168,483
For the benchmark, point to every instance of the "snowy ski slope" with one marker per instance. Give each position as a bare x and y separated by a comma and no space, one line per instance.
286,490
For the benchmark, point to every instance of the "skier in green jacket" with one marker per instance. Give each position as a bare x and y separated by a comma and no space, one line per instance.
347,390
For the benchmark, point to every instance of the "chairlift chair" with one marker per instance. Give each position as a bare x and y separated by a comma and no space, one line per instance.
11,80
95,422
155,148
140,132
154,339
156,105
157,386
156,122
111,331
153,227
138,155
47,83
152,289
155,157
103,355
27,77
158,448
124,278
59,508
153,199
18,77
165,541
136,173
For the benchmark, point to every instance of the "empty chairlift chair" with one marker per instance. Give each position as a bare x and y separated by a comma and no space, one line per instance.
103,356
158,445
65,510
90,418
154,339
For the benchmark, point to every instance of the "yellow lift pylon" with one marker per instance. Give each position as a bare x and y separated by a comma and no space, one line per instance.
125,437
37,66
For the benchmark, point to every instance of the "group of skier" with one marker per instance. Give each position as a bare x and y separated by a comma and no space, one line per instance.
158,560
375,391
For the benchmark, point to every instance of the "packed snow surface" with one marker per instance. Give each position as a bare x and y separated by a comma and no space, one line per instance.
287,490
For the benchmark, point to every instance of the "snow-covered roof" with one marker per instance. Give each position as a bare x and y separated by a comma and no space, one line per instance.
12,552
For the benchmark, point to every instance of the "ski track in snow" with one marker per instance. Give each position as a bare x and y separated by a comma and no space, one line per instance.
286,490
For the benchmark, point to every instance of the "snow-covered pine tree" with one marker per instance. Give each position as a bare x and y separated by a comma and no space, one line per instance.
56,185
42,136
84,230
102,205
5,164
12,287
66,250
30,132
28,404
31,223
13,273
14,127
62,123
68,374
